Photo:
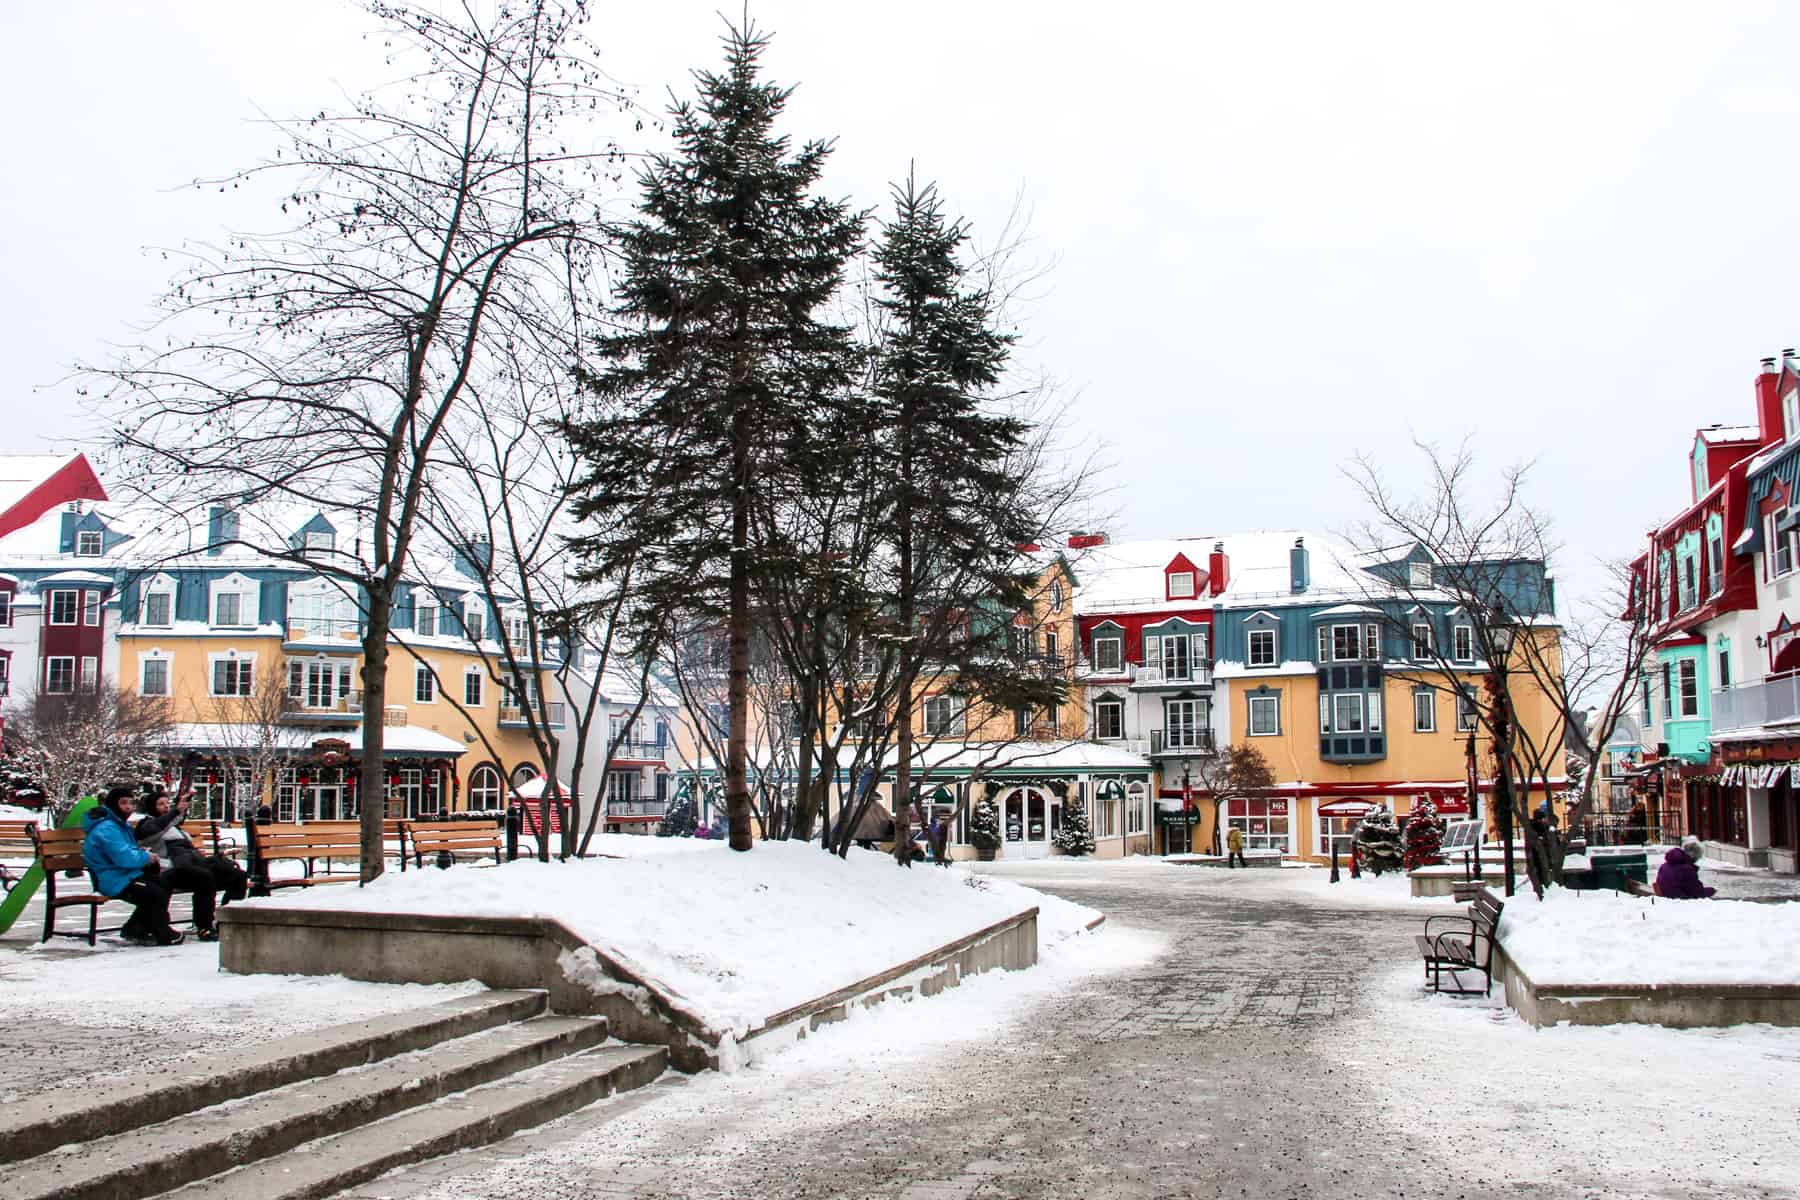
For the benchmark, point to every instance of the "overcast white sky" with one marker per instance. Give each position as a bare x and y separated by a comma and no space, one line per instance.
1283,233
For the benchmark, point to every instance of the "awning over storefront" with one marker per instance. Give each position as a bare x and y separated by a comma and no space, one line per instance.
1760,775
1347,808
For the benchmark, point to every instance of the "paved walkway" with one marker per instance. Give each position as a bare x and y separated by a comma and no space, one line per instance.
1196,1075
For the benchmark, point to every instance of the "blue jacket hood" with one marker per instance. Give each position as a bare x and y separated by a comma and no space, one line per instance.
110,851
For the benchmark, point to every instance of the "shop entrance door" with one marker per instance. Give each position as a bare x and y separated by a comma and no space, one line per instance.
1030,818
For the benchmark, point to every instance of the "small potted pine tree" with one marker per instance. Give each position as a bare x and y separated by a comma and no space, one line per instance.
1076,837
984,830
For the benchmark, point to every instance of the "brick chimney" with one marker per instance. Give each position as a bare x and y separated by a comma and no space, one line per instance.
1218,569
1768,403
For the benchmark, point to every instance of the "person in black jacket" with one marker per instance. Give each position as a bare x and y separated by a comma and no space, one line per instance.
184,868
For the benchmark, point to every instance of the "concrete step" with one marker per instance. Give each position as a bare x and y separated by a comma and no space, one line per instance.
92,1109
149,1160
473,1118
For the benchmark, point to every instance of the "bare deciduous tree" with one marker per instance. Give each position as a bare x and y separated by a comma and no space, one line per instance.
319,366
76,743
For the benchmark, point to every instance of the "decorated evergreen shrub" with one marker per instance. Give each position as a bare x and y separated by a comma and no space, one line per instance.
1076,836
1378,842
984,827
679,819
1424,835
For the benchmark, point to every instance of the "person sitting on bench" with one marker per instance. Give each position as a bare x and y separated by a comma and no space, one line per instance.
1679,876
124,871
184,868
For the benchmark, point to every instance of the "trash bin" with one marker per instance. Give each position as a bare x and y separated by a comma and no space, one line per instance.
1611,870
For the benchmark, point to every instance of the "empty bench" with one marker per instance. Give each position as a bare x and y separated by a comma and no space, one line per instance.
1466,944
429,841
307,843
17,849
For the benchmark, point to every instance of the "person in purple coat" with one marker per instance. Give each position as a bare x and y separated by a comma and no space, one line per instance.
1679,876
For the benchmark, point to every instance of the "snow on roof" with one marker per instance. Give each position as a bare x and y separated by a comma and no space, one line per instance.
403,739
1350,610
1125,576
20,473
1715,434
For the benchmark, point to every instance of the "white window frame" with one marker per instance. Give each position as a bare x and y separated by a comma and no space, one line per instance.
90,608
1422,641
243,672
74,606
1338,642
167,595
246,591
1177,659
518,630
5,675
943,715
1268,704
81,542
1467,718
50,674
480,788
1668,681
145,662
1195,719
1112,658
1251,657
318,540
1052,645
1324,643
1687,680
1715,564
1372,712
1462,643
1347,714
1418,575
1781,547
474,687
89,679
424,684
1118,708
420,613
1181,585
1424,710
474,616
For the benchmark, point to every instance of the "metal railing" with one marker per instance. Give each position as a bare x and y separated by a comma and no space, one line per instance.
1194,741
1748,705
299,630
635,808
344,704
1198,673
551,713
643,751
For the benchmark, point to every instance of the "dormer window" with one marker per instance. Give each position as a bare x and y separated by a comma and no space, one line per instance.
89,543
1419,574
474,620
232,602
320,541
1261,648
425,619
1181,585
159,602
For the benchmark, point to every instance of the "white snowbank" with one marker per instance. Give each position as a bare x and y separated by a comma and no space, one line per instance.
739,937
1612,937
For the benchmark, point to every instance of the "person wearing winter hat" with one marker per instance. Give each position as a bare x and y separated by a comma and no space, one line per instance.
1679,876
125,872
184,868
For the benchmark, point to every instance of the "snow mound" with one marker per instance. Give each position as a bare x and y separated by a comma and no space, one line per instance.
739,936
1611,937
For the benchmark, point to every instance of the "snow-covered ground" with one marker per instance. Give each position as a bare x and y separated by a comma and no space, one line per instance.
739,937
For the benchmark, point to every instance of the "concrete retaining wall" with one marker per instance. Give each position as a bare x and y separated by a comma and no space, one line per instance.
1679,1006
581,979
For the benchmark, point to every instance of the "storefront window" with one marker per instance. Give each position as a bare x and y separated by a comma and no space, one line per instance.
1266,823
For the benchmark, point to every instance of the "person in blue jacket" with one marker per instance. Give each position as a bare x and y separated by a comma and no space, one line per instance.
124,871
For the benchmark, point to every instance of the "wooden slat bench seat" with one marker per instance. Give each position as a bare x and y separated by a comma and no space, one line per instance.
17,849
427,840
1467,946
306,843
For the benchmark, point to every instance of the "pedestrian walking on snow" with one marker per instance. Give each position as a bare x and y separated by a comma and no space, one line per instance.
1234,849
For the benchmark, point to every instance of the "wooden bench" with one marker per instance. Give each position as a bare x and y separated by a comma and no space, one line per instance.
433,839
306,843
1468,947
16,848
59,851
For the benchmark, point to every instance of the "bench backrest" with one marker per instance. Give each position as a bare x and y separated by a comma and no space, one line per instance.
1485,912
59,849
15,839
432,837
310,839
204,835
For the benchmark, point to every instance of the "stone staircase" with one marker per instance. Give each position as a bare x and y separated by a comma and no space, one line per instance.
312,1114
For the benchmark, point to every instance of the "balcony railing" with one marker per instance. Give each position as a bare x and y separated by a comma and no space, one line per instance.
639,751
1185,742
1749,705
346,706
551,714
323,630
635,808
1198,674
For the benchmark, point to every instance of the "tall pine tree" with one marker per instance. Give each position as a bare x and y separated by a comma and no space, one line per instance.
708,393
958,513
